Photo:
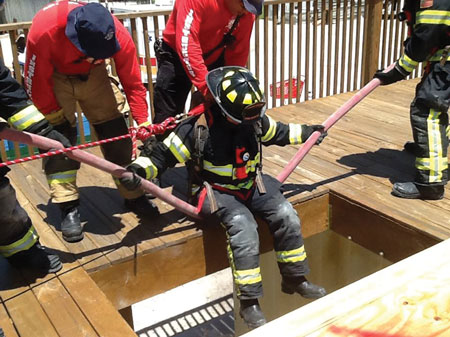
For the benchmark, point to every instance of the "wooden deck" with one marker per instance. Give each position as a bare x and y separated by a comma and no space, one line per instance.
128,259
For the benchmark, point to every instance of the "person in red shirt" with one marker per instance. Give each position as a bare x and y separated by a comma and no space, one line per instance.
200,35
67,45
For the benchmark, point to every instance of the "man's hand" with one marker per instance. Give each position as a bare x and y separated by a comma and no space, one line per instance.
55,135
131,182
392,76
308,130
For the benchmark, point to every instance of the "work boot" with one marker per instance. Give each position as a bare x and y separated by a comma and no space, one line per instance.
251,313
411,190
302,286
36,258
142,206
71,225
411,147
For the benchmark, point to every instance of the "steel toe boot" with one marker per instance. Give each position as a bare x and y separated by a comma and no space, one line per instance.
36,258
411,190
71,224
142,206
302,286
251,313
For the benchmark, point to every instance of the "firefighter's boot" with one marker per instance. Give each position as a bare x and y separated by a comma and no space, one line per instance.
142,206
71,224
37,258
302,286
251,313
411,190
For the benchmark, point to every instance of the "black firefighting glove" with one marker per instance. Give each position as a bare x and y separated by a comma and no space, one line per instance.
308,130
134,181
392,76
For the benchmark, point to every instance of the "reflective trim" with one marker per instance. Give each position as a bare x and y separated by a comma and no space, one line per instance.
221,170
25,243
232,96
151,171
433,17
295,133
55,117
176,146
25,118
248,99
245,185
248,276
447,131
295,255
436,57
271,131
407,63
62,177
147,123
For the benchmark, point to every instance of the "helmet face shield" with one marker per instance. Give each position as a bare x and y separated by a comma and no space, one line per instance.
237,93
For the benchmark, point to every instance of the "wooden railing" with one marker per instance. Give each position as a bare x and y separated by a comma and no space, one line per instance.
300,50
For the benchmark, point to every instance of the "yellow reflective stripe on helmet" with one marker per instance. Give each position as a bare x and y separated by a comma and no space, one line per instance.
62,177
26,242
220,170
151,171
55,117
407,63
248,276
271,131
294,255
295,133
176,146
226,84
232,96
25,118
248,99
433,17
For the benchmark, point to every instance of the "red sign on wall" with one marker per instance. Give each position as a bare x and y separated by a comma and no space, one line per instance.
294,85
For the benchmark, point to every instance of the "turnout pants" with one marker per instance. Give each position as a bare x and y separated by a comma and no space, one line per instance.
429,121
237,217
95,95
16,231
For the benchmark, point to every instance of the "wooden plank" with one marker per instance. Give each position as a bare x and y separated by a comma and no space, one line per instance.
391,302
6,323
100,313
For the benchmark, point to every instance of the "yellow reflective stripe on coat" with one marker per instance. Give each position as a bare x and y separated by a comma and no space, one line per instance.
407,63
295,133
62,177
178,149
242,186
55,117
25,118
294,255
248,276
151,171
271,131
433,17
26,242
220,170
436,57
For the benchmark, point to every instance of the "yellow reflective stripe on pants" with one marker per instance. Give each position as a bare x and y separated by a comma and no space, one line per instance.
62,177
176,146
248,276
295,133
26,242
295,255
25,118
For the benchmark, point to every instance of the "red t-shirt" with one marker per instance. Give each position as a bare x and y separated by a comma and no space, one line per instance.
49,50
197,26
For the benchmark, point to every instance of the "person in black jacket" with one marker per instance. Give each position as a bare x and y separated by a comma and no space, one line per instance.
19,240
429,42
228,182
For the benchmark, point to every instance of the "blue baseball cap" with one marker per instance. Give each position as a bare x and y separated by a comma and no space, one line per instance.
91,29
253,6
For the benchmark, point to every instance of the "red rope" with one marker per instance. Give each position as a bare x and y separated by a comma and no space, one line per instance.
141,133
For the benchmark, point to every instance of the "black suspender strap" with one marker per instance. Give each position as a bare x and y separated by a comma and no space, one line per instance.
228,38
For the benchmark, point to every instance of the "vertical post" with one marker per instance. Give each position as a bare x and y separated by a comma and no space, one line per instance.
372,34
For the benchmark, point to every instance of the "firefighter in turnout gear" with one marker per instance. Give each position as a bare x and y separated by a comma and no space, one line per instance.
19,240
229,185
429,42
67,45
